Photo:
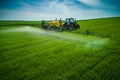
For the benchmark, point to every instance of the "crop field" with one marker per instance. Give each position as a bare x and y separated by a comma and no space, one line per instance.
31,53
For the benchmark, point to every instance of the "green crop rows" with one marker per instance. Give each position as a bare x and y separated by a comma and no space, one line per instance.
30,53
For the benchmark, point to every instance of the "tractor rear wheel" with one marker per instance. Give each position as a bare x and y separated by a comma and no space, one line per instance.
71,27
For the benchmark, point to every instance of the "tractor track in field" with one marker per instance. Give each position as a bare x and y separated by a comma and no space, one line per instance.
13,37
21,46
14,42
32,55
94,65
46,70
29,53
90,67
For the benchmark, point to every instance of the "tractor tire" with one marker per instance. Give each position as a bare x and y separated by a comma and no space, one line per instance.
77,26
53,28
71,27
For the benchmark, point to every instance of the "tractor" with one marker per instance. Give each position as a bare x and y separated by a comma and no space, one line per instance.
58,25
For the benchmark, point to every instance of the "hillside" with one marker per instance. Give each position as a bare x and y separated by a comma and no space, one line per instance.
32,53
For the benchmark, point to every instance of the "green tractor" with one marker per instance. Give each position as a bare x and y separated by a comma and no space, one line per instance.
68,25
71,24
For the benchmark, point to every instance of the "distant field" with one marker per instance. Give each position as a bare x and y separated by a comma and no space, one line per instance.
32,53
19,23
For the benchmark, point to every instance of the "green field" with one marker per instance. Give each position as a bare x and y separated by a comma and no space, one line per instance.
31,53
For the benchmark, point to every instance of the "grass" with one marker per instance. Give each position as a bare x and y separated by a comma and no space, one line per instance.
34,54
9,23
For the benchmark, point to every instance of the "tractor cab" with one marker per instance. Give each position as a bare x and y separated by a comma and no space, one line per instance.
70,20
71,24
